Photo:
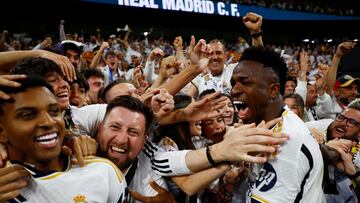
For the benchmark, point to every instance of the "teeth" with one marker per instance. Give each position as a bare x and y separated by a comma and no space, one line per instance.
46,137
116,149
62,94
341,130
49,142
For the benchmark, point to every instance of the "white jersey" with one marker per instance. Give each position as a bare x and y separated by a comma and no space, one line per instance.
98,181
139,175
296,174
218,83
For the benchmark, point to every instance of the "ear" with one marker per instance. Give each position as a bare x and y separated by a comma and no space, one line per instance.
3,137
273,90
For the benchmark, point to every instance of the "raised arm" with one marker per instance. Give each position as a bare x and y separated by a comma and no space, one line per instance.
253,22
96,60
331,75
199,60
10,58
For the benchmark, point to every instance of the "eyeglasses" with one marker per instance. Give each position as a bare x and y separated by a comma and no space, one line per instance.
349,121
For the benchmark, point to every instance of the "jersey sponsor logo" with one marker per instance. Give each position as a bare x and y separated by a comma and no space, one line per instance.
267,178
80,199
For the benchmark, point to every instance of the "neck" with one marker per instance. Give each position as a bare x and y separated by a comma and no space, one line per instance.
55,164
273,110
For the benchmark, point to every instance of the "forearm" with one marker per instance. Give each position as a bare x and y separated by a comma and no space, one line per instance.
10,58
173,117
257,41
62,33
331,74
96,60
179,81
194,183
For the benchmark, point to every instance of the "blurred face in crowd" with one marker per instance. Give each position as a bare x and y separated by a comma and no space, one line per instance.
77,95
347,94
293,106
228,114
135,60
32,127
74,57
217,58
214,129
289,87
251,86
95,85
121,89
294,71
61,88
112,61
346,125
121,138
311,96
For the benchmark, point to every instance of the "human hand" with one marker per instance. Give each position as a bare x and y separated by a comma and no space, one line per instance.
246,142
342,144
344,48
67,69
157,52
80,147
8,81
199,54
169,66
253,22
206,108
163,195
162,103
12,181
104,45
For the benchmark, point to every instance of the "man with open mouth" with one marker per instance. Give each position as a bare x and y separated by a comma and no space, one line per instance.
295,175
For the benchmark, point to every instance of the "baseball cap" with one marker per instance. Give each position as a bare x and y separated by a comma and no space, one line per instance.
345,81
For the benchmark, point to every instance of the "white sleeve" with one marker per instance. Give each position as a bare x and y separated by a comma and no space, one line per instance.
301,89
88,118
149,71
167,163
324,106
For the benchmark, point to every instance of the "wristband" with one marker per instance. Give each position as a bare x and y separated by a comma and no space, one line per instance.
256,35
357,174
208,155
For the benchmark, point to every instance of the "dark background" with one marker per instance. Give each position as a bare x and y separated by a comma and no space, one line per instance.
39,18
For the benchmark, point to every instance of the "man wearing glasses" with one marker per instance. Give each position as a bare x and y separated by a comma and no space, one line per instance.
341,134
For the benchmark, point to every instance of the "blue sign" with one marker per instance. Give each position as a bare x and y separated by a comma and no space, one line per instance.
223,9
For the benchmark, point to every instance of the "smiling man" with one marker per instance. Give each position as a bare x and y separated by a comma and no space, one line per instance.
33,131
296,173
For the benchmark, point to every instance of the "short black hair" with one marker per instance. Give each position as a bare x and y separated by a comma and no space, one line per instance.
80,79
28,82
134,105
93,72
36,66
270,59
111,85
206,92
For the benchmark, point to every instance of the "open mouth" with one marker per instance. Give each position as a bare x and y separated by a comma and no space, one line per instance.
340,130
48,139
118,149
242,108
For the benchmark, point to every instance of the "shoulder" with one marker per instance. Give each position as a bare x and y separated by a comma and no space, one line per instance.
98,162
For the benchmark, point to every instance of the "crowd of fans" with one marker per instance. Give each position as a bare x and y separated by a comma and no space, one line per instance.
185,122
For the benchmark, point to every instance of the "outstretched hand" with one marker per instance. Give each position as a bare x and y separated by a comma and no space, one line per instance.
199,54
206,108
